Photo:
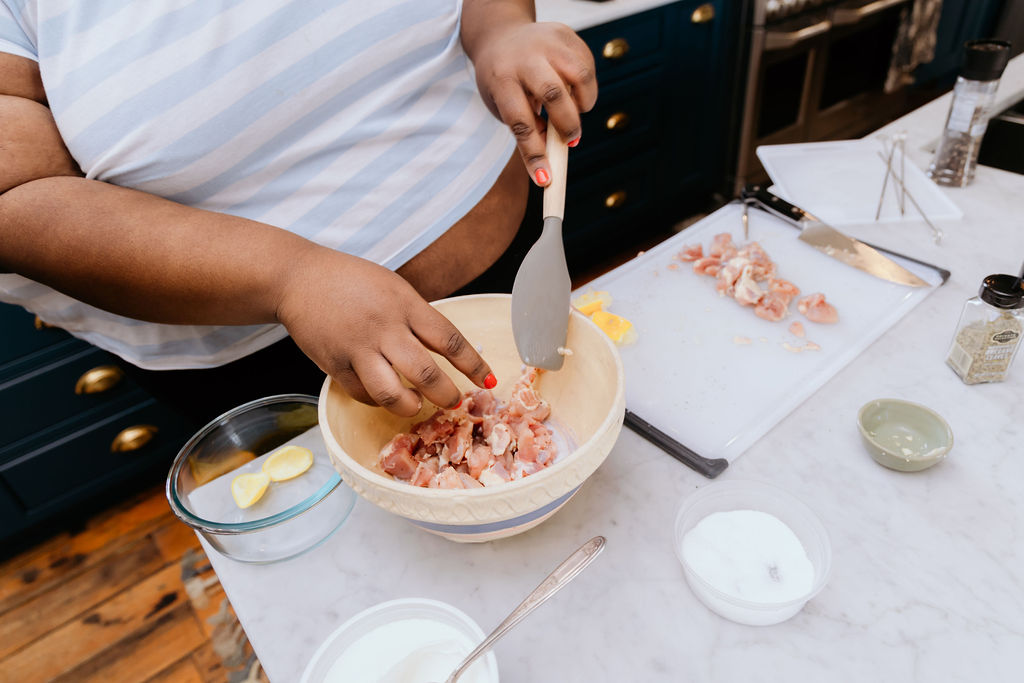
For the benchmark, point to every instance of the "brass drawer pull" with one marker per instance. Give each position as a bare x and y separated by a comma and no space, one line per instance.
615,199
617,121
40,325
616,48
133,438
99,379
703,14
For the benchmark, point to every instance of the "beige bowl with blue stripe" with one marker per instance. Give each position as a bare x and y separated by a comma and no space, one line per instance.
587,398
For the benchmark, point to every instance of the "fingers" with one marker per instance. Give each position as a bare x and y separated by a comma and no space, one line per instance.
515,110
383,386
409,358
439,335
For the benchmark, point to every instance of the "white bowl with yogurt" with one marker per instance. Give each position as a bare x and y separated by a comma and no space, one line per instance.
751,552
411,640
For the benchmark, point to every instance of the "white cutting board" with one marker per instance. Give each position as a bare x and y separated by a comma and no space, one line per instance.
686,375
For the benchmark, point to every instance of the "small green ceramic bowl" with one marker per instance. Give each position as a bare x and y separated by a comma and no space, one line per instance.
902,435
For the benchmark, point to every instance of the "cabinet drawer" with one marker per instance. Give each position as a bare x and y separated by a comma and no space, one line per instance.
69,465
48,395
19,335
625,189
627,117
628,45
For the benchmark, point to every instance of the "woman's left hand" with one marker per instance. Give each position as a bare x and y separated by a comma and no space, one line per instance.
523,67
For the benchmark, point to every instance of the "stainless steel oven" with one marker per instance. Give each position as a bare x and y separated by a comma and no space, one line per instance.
816,71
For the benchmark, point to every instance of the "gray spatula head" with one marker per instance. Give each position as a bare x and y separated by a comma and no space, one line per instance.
540,300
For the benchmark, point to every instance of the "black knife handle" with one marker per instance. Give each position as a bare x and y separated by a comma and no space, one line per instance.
708,467
759,195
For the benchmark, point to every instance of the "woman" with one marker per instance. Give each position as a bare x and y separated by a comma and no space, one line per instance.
233,172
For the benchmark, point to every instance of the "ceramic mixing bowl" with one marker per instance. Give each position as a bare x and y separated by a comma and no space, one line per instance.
587,406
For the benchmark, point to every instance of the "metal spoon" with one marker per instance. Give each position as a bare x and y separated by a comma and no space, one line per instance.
562,575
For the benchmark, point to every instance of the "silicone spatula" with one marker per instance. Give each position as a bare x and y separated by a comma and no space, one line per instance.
540,294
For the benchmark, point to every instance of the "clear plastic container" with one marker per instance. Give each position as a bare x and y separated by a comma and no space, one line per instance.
292,516
956,158
989,332
728,496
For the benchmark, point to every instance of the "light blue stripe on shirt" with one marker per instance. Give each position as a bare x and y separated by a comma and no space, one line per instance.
211,66
161,31
293,178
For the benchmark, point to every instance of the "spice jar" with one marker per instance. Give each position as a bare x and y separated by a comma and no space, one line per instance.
989,331
956,157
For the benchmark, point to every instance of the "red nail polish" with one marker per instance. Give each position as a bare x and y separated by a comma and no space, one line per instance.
542,176
573,143
456,406
490,381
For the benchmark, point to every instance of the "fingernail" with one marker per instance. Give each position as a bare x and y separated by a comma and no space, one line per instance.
456,406
573,143
542,179
490,381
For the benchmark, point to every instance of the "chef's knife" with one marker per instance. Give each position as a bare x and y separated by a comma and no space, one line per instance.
830,241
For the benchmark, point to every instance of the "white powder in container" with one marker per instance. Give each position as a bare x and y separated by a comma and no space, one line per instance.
407,651
750,555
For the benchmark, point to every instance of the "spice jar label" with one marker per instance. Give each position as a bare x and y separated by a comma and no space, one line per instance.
1005,337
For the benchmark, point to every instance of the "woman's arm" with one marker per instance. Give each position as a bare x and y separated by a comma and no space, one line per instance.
141,256
522,66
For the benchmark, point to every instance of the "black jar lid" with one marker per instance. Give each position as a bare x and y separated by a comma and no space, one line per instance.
984,60
1002,291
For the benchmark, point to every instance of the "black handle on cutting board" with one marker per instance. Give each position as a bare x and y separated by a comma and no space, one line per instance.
706,466
760,196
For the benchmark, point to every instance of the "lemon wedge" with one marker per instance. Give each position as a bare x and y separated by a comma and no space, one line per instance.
288,463
248,488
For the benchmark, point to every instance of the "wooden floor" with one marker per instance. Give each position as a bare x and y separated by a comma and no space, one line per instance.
130,597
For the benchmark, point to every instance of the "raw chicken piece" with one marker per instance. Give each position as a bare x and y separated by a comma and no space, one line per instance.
746,290
396,457
425,471
709,265
772,307
796,328
691,252
816,309
784,287
721,243
729,274
448,478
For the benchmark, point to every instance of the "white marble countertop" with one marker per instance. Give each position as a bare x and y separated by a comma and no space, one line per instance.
927,582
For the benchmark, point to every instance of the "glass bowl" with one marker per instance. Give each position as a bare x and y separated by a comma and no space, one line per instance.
728,496
292,516
363,642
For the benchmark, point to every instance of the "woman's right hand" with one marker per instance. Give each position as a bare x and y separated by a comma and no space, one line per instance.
365,326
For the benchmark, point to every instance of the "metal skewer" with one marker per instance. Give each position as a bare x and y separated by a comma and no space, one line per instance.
900,185
902,139
888,172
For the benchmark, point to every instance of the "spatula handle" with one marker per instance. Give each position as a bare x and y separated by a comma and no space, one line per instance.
558,161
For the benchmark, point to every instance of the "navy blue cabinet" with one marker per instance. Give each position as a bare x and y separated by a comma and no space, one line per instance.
961,20
73,425
655,143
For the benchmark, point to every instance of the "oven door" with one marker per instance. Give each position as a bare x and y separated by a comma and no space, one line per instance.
848,95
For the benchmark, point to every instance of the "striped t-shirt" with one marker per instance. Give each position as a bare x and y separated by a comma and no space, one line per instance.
355,124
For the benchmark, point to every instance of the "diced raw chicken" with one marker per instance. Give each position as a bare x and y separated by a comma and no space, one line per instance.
784,287
709,265
691,252
396,457
720,245
484,442
796,328
772,307
746,290
816,309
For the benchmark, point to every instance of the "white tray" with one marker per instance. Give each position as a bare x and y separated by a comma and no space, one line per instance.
840,183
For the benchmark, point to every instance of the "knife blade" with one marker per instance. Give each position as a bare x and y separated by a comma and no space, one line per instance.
830,241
